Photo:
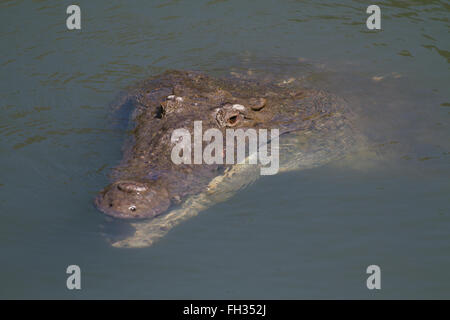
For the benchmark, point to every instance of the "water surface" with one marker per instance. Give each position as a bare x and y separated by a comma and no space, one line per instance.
308,234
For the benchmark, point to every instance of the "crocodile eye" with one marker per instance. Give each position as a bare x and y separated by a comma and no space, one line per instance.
132,208
232,120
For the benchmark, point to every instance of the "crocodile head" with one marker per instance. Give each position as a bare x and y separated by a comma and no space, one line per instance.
148,181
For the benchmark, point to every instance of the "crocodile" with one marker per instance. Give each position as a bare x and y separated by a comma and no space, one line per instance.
314,127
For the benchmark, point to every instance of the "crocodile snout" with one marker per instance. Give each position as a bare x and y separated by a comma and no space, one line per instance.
133,199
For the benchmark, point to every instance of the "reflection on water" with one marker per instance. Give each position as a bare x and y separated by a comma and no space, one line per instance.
299,235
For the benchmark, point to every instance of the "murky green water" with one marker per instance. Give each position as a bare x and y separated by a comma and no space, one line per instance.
309,234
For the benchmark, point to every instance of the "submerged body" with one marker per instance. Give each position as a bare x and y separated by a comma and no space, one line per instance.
315,127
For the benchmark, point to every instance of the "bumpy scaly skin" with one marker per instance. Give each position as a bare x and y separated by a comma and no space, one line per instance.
315,128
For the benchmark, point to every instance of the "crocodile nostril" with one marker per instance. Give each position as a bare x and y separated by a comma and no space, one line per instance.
131,187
